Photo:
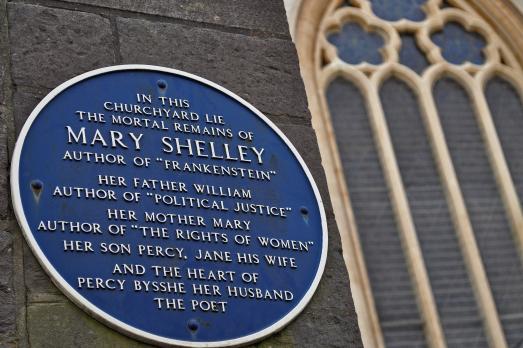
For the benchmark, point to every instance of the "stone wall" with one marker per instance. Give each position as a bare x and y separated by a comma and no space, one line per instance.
243,45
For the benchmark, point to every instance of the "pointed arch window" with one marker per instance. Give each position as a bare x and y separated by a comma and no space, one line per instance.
418,110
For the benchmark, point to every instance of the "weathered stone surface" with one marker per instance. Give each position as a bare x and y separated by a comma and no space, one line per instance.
7,295
39,286
4,82
263,71
57,325
49,46
268,15
304,140
282,339
330,315
4,50
4,160
3,68
24,102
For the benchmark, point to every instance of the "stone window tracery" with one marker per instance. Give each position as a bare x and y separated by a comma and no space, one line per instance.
420,106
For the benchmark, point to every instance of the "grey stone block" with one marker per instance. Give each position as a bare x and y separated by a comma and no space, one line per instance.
4,49
7,295
268,15
4,81
263,71
3,68
4,160
39,286
24,102
49,46
330,319
57,325
304,140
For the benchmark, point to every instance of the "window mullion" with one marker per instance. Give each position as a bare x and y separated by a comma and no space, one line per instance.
360,283
461,218
499,165
414,256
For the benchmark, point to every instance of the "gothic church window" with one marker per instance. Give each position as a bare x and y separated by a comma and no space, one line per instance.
417,105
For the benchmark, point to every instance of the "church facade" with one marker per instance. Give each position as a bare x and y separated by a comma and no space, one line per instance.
243,46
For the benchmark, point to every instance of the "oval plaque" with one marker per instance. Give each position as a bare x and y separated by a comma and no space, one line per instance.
168,207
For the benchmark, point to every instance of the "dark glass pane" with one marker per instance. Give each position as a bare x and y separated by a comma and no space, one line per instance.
346,3
445,4
411,55
355,45
389,277
507,112
484,204
393,10
450,283
458,45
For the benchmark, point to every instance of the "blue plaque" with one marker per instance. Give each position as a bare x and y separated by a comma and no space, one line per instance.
168,207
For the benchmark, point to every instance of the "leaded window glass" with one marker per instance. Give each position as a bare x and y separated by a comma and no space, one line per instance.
419,107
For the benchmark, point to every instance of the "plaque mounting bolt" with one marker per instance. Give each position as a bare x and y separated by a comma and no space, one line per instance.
37,185
193,325
162,84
